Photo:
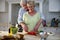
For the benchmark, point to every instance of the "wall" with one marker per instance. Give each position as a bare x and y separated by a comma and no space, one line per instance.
3,21
49,15
4,17
54,5
14,14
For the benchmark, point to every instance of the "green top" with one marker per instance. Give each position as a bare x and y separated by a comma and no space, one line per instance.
31,21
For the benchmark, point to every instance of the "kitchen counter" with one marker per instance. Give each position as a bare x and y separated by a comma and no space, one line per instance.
30,37
26,37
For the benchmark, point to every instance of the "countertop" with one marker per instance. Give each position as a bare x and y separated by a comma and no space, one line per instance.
30,37
26,37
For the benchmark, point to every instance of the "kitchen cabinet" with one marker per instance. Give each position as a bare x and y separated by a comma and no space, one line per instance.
54,5
3,6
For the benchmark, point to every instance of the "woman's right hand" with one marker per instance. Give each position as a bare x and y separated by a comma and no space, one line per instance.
24,26
25,29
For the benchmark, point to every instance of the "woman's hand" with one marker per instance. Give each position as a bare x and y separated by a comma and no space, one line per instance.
25,28
37,25
34,31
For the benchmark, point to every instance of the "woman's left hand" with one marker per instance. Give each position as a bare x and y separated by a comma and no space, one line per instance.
35,29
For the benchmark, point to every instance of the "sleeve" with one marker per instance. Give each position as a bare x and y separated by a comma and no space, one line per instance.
20,16
24,16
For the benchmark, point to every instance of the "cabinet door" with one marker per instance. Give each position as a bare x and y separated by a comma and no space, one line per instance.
54,5
3,6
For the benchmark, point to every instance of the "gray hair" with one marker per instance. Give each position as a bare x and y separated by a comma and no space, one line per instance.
31,3
23,1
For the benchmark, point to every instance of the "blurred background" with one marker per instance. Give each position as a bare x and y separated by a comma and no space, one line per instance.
9,10
50,9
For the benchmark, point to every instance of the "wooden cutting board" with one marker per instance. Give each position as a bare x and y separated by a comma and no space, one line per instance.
31,37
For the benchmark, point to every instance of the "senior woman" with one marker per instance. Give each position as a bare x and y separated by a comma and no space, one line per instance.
31,19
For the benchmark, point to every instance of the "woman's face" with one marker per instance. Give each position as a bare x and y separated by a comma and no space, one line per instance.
30,7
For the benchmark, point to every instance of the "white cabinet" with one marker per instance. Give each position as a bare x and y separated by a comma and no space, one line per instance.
3,6
54,5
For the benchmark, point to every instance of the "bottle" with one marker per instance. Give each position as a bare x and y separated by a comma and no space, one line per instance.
14,29
10,30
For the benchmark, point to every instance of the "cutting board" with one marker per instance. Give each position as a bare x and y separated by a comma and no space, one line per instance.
31,37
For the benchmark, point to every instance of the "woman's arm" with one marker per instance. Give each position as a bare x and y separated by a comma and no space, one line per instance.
37,25
24,26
